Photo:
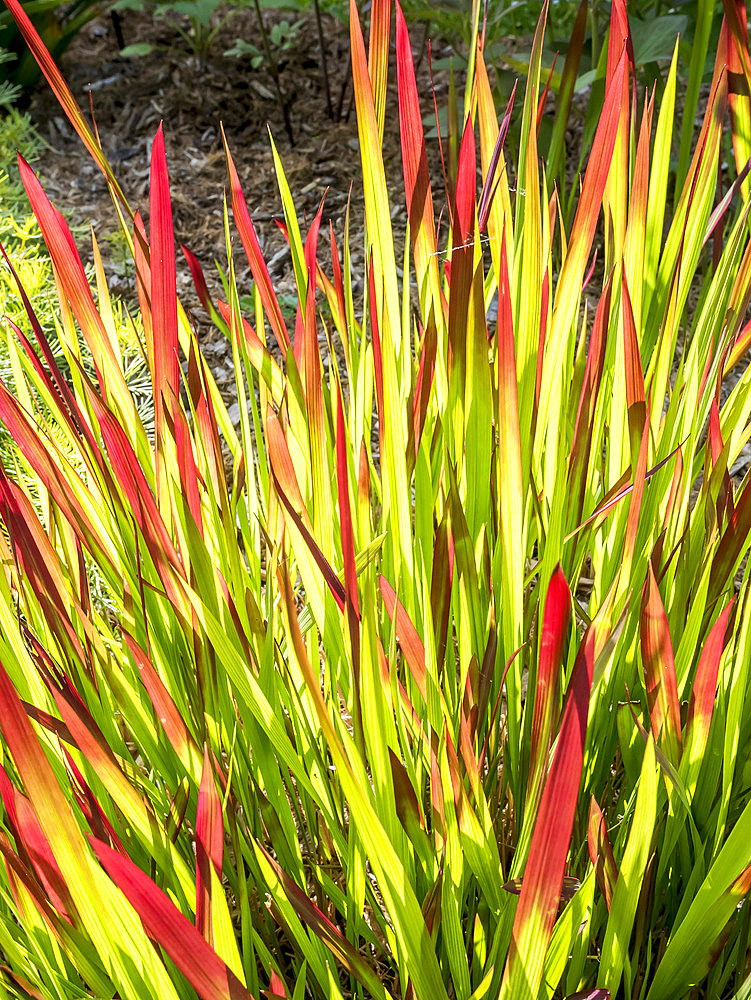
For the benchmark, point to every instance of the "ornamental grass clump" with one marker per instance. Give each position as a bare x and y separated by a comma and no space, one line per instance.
463,715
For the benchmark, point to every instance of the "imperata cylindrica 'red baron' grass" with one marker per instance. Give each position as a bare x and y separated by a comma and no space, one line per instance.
462,712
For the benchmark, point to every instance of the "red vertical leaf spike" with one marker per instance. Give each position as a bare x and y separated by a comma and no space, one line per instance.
209,846
462,261
166,361
348,540
65,256
348,551
701,705
555,622
544,97
543,876
373,312
414,156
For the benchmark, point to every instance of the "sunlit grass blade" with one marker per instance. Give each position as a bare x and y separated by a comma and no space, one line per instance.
572,272
630,877
659,670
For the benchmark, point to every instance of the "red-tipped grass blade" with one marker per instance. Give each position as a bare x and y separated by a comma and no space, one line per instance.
209,847
555,622
462,263
333,581
544,97
568,289
166,925
51,808
414,159
409,640
491,181
132,481
166,360
69,409
509,465
32,447
600,852
71,272
348,551
702,703
374,310
659,670
252,247
34,848
283,466
348,538
544,872
20,875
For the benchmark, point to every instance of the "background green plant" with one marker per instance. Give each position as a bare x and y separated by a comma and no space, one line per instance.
57,21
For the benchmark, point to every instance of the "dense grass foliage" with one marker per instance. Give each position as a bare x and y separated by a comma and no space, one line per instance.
441,688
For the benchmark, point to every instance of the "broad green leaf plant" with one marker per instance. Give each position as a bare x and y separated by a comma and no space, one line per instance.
438,686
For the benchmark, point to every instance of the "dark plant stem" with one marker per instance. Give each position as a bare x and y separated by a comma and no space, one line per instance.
117,27
343,91
273,68
324,62
350,105
423,47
